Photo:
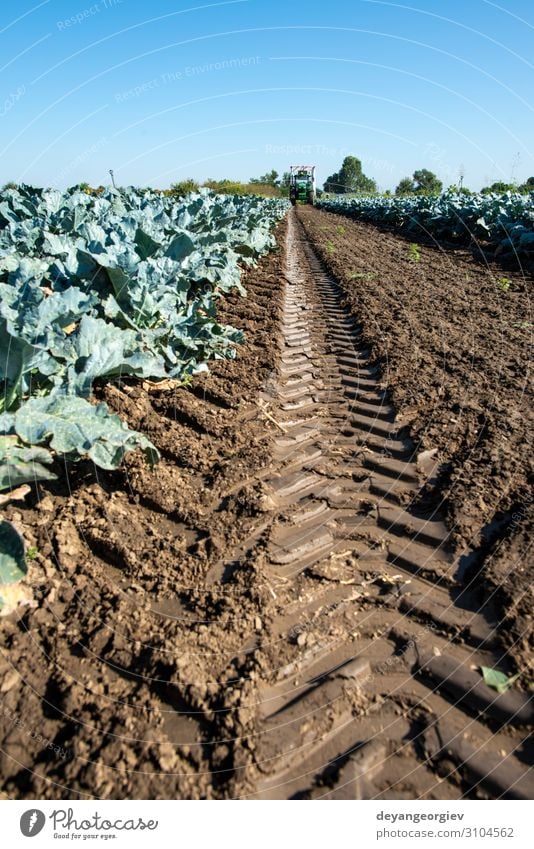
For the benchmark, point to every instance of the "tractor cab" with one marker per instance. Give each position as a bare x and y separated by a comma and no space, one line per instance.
302,184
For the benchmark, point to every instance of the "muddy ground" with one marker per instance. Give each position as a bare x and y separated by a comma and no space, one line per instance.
452,337
119,632
177,612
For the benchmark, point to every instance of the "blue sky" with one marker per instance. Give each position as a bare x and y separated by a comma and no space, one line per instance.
164,90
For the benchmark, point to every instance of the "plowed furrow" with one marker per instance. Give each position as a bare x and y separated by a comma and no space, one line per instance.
368,683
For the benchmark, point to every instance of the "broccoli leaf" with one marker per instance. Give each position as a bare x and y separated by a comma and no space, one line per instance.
74,427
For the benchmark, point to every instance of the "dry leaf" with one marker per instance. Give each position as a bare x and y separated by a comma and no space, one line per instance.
17,494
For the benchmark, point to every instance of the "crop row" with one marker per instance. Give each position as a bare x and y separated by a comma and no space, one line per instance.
121,284
503,222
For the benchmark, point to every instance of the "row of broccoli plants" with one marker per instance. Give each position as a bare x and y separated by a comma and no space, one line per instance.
503,222
101,287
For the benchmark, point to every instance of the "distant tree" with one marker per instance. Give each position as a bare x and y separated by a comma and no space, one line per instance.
284,184
405,187
459,190
423,182
350,178
234,187
183,187
350,173
365,184
499,188
527,186
333,184
269,179
224,187
426,182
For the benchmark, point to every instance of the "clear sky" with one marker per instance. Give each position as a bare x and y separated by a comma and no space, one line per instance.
163,90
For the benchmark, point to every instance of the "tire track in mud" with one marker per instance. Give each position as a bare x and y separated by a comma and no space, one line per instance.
365,677
275,613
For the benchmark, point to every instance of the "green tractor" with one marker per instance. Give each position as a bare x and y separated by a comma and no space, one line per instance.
302,184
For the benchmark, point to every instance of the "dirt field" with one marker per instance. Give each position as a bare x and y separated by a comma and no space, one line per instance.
282,609
112,664
454,351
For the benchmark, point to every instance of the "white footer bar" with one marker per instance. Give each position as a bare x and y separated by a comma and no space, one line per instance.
267,825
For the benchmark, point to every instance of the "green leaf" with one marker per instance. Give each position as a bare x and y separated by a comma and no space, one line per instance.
146,246
22,464
100,349
12,560
526,240
120,282
73,426
180,247
17,360
56,245
496,679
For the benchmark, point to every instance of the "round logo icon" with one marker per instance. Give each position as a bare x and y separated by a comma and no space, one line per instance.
32,822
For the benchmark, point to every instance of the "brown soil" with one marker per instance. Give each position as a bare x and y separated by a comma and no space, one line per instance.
454,353
277,610
119,631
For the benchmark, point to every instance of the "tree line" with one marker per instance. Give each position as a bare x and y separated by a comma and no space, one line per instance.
350,179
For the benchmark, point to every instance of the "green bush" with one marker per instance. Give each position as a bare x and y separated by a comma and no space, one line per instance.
183,188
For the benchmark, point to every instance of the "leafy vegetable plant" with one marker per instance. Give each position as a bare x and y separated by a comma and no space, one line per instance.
415,252
95,287
502,221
